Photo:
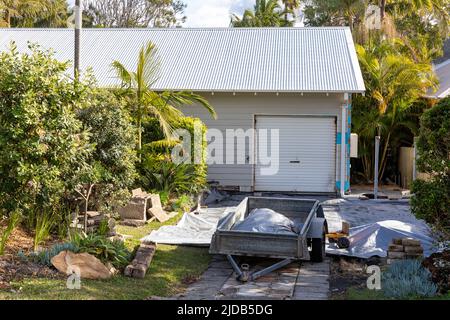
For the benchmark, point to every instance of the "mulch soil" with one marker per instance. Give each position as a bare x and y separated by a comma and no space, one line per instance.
439,266
13,268
347,272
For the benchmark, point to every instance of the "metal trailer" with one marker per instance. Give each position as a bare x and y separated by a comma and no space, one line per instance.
309,244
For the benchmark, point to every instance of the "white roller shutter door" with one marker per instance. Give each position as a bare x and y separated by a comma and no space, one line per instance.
307,154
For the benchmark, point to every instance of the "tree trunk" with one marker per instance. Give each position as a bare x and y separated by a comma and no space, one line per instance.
382,9
139,124
8,18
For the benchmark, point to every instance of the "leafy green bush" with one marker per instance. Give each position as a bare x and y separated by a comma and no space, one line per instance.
113,251
160,174
42,142
183,204
433,143
431,200
407,279
112,161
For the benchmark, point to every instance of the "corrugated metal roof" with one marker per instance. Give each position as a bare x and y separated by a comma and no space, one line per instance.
443,74
219,59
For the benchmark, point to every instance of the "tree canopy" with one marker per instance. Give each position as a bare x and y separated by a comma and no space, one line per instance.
266,13
33,13
134,13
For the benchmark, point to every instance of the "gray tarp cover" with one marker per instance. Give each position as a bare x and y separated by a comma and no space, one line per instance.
366,241
373,239
267,221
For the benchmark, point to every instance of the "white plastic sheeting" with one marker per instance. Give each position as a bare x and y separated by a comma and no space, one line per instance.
192,229
373,239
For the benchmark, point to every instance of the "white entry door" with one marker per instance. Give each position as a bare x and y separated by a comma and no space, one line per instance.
307,154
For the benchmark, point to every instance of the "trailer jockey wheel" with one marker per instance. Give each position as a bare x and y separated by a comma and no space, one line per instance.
245,276
343,243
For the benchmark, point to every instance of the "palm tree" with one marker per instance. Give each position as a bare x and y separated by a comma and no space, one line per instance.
438,10
54,16
25,10
289,7
394,82
147,102
266,13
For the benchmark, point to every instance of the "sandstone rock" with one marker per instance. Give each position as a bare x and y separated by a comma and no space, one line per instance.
413,250
410,242
141,262
136,209
395,248
396,255
142,205
159,214
88,266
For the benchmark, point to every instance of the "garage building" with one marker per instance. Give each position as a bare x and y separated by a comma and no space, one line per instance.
297,82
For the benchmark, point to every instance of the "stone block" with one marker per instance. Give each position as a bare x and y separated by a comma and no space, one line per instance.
395,248
413,249
396,255
410,242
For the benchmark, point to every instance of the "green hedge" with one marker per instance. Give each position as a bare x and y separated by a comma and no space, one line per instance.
431,200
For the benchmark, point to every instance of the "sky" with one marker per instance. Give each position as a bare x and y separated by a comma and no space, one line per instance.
211,13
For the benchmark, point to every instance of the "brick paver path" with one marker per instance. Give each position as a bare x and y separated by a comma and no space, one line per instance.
297,281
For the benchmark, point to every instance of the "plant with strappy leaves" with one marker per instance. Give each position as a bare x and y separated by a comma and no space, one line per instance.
146,102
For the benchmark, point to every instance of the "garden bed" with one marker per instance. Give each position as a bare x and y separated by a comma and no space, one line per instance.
13,268
348,279
169,272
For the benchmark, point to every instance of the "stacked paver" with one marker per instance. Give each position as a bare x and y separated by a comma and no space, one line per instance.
405,248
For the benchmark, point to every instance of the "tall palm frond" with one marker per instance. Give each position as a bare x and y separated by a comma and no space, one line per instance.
163,106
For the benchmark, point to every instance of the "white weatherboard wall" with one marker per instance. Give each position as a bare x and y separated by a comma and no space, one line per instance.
239,111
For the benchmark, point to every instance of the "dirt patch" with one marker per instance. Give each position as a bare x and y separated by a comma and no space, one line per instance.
190,279
348,273
439,266
12,268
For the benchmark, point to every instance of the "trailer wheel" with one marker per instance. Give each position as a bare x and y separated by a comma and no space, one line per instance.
318,247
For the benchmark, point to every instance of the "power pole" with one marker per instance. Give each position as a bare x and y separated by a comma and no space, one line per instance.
376,169
78,25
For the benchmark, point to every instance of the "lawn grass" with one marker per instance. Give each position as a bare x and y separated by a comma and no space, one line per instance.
170,265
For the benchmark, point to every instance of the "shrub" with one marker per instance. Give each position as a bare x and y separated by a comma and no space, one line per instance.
433,143
113,251
42,142
431,200
184,203
160,174
56,134
113,157
407,279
